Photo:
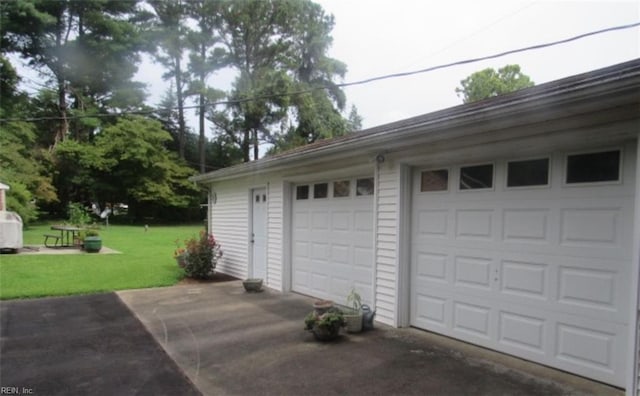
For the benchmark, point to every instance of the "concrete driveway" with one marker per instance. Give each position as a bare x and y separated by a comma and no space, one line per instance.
229,342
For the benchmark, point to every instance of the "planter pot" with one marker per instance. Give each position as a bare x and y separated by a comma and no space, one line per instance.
322,306
354,322
252,285
181,260
92,244
322,333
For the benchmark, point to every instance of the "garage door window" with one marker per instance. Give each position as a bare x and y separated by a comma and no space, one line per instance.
593,167
364,186
477,177
302,192
341,188
434,180
528,173
320,190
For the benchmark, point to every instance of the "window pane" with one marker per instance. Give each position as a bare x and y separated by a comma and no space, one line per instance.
476,177
364,186
434,180
341,188
302,192
528,173
320,190
593,167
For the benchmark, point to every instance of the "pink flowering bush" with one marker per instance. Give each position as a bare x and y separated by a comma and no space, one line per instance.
199,256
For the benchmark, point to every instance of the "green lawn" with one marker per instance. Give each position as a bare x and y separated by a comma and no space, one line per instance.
146,260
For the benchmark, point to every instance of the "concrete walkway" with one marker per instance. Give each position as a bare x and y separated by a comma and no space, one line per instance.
233,343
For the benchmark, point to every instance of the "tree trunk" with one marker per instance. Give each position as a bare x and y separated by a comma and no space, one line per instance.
201,140
256,150
180,99
246,146
63,128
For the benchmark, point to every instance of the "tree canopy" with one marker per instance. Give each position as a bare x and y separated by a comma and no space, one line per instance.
488,83
87,135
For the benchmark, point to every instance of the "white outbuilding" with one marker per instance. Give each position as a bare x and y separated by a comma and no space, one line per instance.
511,223
10,224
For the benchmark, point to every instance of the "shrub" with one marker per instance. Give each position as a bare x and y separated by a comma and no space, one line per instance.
78,215
201,256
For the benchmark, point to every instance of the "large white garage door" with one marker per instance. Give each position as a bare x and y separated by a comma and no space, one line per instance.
332,238
530,257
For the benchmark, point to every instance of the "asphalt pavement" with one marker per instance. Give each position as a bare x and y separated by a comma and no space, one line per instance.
82,345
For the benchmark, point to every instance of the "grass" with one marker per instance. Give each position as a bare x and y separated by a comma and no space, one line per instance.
146,261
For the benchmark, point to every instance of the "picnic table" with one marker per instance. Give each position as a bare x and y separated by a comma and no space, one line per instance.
67,237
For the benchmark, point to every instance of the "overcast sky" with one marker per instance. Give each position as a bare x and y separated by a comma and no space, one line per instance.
378,37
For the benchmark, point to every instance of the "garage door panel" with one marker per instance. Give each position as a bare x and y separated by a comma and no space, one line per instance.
471,319
542,273
527,226
590,347
522,332
340,221
431,312
332,242
474,224
433,223
432,266
472,272
363,257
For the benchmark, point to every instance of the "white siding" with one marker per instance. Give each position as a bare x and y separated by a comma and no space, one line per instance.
275,238
230,225
387,213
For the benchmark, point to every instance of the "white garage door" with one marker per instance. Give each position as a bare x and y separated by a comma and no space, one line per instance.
332,235
529,257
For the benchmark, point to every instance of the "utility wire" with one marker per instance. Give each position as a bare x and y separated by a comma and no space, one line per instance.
341,85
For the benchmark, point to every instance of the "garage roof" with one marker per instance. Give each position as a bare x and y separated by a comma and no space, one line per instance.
611,86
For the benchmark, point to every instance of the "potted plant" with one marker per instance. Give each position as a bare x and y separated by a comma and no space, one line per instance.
92,241
353,314
252,284
322,306
325,326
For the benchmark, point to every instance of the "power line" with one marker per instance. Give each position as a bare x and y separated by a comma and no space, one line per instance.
341,85
498,55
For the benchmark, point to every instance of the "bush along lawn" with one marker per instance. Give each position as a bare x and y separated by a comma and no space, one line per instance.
146,260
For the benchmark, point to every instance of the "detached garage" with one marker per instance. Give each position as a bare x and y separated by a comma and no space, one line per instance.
510,223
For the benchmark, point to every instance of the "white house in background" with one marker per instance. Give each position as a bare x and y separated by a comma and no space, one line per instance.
510,223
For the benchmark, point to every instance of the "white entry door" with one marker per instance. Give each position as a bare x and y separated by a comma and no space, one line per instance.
259,233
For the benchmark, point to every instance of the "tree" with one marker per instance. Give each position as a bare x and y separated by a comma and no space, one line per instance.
204,60
87,50
488,83
256,38
319,112
354,122
171,34
279,47
128,162
23,165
